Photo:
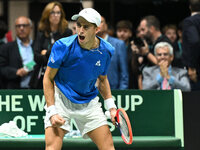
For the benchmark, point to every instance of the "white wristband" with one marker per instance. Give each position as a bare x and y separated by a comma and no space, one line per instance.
110,103
50,111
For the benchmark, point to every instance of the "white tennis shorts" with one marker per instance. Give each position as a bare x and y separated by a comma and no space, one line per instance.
88,116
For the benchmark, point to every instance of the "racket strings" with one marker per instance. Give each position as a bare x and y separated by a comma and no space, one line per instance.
123,127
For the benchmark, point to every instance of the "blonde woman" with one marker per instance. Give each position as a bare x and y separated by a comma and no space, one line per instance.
52,26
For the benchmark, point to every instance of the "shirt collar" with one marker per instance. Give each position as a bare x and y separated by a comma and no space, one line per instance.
170,69
21,43
106,37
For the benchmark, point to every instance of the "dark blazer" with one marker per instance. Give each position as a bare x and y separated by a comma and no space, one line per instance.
10,62
191,42
181,80
118,70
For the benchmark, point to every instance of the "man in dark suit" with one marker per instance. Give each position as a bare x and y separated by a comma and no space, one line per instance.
16,58
163,75
118,70
191,44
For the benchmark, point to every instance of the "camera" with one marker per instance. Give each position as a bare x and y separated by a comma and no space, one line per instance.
138,42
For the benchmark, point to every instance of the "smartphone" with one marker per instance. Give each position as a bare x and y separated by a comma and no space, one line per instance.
138,42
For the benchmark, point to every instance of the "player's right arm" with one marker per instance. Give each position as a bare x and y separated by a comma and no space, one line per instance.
48,85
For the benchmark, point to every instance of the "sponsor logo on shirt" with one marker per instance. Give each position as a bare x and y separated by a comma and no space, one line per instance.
52,60
98,63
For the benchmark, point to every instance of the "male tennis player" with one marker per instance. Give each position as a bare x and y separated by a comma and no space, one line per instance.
75,64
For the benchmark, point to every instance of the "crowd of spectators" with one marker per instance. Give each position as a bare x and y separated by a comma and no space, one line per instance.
149,58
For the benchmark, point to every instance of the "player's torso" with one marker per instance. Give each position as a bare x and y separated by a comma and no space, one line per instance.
83,65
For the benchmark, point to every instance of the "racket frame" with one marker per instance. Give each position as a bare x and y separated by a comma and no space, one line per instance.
128,124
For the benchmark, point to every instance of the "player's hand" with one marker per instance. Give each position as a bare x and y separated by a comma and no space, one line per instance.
134,48
21,72
164,68
57,121
145,49
113,112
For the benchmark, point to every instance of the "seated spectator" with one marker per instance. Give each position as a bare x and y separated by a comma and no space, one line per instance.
16,58
52,26
163,75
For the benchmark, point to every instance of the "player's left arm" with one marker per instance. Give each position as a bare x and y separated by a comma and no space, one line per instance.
105,91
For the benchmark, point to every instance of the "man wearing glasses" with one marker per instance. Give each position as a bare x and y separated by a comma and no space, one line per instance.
16,58
163,76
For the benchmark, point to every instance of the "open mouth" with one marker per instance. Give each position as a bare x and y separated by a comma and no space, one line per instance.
81,37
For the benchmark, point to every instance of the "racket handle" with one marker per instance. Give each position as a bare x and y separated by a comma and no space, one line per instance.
107,114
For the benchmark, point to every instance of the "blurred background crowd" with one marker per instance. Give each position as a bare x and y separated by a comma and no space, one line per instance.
157,43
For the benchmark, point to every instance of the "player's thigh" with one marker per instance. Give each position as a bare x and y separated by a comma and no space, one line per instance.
102,137
54,138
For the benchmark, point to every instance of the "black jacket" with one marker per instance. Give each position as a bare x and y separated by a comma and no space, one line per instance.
191,42
42,42
10,62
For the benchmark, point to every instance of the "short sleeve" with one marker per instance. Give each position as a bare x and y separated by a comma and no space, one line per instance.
58,52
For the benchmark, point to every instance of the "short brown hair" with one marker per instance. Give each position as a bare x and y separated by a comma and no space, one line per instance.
152,21
124,24
169,26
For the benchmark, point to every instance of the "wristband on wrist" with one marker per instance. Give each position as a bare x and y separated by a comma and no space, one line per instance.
109,103
50,111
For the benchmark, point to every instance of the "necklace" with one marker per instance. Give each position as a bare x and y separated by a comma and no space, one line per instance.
96,44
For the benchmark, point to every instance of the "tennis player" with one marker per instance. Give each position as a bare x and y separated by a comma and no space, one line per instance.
75,64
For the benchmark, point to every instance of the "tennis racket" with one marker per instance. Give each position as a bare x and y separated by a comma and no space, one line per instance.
123,124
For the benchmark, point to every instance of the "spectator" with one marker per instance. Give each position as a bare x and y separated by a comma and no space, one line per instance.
150,30
124,32
147,31
16,58
118,69
191,44
170,30
52,26
164,76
